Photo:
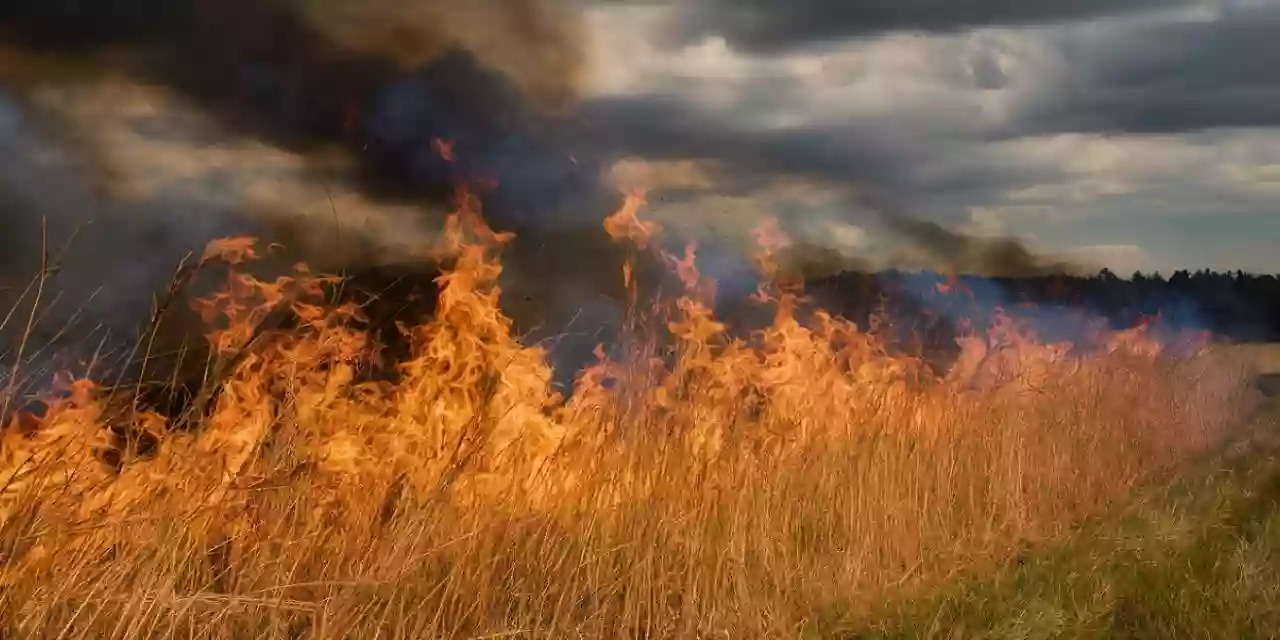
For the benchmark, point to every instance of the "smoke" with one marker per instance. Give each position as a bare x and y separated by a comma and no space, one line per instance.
531,42
863,173
346,98
944,250
161,124
375,79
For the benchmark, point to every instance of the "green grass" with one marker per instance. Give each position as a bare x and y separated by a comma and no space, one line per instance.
1198,557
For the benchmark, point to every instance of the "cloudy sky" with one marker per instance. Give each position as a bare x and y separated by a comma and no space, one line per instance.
1134,134
1130,134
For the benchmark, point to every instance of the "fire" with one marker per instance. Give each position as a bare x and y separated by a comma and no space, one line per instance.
771,239
231,250
626,224
443,148
811,418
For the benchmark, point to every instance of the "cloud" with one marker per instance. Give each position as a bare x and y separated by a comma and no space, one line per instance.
819,179
901,114
1161,76
770,26
890,124
1070,132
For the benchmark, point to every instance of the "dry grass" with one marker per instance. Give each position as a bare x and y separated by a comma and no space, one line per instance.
1261,358
1196,557
725,489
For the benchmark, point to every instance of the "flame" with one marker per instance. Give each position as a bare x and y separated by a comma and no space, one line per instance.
443,148
471,419
625,224
231,250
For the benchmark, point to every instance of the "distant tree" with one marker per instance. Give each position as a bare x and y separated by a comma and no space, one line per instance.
1234,304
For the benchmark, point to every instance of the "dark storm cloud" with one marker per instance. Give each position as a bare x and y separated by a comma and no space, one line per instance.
766,26
1163,76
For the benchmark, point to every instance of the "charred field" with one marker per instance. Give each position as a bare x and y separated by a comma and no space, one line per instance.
383,454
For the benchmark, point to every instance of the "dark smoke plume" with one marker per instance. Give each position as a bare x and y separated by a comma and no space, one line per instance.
377,78
951,251
310,122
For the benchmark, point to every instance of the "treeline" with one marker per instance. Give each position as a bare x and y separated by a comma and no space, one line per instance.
925,308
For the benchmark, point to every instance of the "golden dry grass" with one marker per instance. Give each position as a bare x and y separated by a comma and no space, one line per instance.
730,488
1261,358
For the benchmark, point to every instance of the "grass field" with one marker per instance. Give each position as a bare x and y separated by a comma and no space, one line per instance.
804,483
1195,557
1262,359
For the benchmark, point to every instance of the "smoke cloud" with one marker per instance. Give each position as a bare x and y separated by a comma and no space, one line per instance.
375,79
308,122
313,123
945,250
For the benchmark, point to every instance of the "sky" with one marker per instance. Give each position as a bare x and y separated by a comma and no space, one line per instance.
1130,134
1126,134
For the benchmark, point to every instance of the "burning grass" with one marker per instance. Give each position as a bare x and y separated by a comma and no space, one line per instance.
699,485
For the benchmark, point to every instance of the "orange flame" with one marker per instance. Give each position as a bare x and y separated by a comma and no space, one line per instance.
625,223
443,148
